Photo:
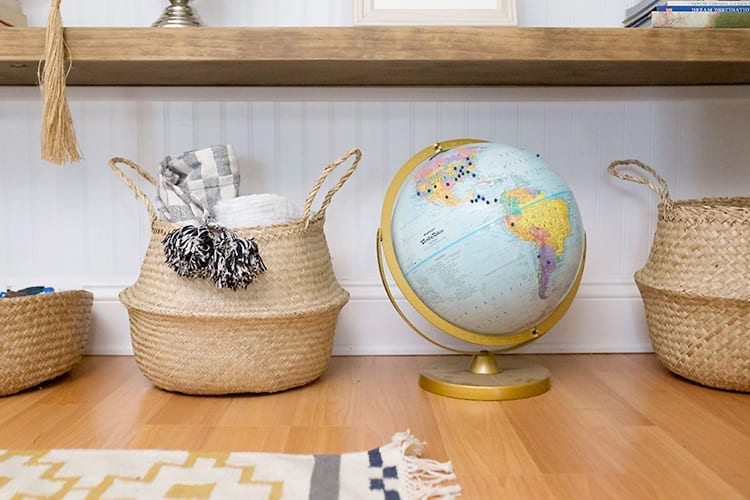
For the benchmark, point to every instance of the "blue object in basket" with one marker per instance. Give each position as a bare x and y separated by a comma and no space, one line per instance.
32,290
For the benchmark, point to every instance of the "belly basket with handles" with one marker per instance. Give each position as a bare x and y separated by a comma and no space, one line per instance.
190,336
696,284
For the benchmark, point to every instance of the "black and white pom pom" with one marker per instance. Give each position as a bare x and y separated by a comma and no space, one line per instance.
189,250
236,261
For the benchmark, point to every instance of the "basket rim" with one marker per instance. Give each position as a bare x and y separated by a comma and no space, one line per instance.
297,225
721,201
692,294
62,294
339,304
725,211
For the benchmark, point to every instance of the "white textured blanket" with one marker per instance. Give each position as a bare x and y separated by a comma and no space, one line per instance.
255,210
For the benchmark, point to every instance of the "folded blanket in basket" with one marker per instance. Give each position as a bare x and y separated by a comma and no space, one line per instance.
255,210
209,175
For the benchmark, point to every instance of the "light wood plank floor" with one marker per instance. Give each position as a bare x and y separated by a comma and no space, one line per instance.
612,426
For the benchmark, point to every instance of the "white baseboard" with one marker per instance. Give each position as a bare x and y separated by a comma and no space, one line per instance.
605,317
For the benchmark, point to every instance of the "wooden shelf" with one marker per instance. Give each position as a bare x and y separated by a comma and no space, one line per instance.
393,56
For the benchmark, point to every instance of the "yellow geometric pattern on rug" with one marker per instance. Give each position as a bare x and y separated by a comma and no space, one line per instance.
47,471
163,479
204,490
395,470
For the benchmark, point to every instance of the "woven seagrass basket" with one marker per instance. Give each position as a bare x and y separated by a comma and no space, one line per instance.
190,336
41,337
696,285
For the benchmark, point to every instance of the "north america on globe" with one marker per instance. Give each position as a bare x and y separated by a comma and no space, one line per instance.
487,236
437,180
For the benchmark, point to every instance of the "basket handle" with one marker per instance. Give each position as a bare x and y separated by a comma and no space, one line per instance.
129,182
327,200
661,188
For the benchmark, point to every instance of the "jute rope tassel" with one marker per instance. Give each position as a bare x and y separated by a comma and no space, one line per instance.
59,144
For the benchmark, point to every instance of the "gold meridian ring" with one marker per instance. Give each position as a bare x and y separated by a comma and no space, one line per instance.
384,238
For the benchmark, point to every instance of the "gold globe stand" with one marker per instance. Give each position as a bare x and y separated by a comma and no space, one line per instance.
482,378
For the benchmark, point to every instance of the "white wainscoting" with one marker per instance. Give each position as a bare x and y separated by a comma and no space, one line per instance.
78,226
604,318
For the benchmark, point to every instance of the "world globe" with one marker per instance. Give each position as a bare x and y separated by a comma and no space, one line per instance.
486,242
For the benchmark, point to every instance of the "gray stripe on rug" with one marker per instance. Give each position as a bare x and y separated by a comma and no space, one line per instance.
324,483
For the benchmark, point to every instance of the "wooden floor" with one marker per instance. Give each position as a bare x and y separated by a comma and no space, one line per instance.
612,426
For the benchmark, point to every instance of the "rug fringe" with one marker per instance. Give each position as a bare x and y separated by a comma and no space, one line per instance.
425,478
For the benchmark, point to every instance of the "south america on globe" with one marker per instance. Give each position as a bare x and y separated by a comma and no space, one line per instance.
487,236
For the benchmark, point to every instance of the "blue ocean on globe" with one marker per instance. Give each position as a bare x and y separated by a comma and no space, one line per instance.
488,237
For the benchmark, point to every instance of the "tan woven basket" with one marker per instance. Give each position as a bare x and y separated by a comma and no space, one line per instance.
696,285
190,336
41,337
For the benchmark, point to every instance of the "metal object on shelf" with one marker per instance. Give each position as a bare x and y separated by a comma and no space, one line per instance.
179,14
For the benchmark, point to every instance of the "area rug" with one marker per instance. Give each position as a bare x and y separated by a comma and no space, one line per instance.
395,471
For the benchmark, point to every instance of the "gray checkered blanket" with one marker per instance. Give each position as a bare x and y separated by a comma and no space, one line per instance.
191,184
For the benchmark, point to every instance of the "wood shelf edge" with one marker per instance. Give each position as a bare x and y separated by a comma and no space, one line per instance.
390,56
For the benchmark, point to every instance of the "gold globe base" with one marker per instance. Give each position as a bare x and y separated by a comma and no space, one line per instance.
484,380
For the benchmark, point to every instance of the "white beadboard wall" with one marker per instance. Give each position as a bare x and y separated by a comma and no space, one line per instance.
78,226
304,12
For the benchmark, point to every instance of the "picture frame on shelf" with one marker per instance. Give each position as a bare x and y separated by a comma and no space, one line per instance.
435,12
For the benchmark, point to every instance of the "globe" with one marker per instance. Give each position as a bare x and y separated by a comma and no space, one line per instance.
484,240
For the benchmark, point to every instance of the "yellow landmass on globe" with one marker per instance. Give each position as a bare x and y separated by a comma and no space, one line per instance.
535,218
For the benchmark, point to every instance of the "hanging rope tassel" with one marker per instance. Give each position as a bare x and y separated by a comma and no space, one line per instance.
59,144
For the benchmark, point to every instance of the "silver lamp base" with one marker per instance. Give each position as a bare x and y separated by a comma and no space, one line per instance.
178,14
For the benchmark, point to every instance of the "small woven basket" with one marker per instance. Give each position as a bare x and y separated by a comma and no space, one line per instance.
696,285
41,337
190,336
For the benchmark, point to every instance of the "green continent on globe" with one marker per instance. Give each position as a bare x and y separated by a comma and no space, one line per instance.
436,181
540,220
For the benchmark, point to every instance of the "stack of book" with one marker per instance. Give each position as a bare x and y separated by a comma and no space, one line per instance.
639,15
689,14
702,14
11,14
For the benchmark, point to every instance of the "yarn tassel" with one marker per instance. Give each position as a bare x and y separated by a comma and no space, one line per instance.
236,262
59,143
425,478
213,251
189,251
